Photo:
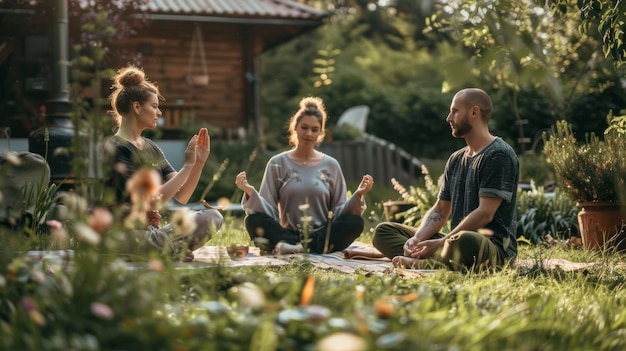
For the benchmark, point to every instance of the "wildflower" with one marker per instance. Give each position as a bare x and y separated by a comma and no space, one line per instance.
30,306
303,207
250,296
384,308
37,318
307,291
183,222
13,158
58,234
119,167
143,187
54,224
101,310
61,151
342,341
75,203
135,219
100,219
28,303
38,276
86,234
156,265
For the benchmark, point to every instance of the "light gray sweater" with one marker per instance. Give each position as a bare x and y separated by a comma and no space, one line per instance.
286,186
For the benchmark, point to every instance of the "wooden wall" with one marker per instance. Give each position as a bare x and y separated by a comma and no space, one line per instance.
166,48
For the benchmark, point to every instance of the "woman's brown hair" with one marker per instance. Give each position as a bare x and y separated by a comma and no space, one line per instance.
130,85
309,106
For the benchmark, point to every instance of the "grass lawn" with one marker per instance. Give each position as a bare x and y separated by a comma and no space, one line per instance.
102,304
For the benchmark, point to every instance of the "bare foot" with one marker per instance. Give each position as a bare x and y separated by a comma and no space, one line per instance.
283,248
407,262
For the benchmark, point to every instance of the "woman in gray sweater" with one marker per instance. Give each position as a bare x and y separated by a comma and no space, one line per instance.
302,191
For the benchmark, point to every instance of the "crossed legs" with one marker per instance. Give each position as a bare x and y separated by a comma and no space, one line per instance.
267,233
462,251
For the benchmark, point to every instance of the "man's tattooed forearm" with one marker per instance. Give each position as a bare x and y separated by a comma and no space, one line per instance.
434,216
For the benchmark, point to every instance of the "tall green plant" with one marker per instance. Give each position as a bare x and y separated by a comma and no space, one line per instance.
594,170
89,114
423,198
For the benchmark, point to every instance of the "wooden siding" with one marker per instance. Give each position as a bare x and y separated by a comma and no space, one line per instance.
220,103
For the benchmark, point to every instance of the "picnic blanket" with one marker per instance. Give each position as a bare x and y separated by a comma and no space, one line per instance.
357,257
219,254
363,258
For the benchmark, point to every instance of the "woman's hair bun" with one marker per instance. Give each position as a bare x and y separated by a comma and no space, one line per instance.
130,76
311,102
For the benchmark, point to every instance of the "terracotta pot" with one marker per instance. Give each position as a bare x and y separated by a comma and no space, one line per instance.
395,207
602,225
198,80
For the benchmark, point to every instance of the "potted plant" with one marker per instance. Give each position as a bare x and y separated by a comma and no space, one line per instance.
593,174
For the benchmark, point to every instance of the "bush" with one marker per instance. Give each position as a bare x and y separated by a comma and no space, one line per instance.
539,214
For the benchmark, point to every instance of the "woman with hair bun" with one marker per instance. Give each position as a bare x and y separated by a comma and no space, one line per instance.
302,191
135,103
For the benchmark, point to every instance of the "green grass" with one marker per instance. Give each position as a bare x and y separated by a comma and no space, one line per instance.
185,307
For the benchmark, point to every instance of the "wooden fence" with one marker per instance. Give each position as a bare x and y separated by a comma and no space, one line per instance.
379,158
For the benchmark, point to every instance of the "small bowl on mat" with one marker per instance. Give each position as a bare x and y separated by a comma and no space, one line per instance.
237,251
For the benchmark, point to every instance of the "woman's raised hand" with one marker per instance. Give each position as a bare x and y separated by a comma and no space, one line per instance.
242,183
365,186
190,151
203,146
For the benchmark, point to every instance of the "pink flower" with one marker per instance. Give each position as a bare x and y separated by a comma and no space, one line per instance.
53,223
100,219
101,310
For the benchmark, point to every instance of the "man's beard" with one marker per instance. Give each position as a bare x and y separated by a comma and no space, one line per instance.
461,129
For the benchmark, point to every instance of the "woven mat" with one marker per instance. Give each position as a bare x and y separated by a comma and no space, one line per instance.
554,263
218,254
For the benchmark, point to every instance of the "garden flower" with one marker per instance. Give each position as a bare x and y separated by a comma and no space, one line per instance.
119,167
101,310
30,306
156,265
342,341
384,308
143,187
38,276
250,296
58,234
86,234
54,224
61,151
100,219
13,158
183,221
307,291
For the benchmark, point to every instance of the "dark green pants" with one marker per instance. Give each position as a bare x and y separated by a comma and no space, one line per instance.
463,251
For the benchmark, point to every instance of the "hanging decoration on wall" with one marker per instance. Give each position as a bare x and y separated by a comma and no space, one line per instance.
197,49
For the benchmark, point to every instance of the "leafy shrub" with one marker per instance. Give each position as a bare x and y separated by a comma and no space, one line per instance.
539,214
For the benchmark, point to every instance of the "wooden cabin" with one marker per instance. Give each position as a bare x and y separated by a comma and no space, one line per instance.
204,56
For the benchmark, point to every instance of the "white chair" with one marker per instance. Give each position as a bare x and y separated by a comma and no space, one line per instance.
355,116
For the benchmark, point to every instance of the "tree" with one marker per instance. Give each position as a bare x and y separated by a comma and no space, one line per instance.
518,45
